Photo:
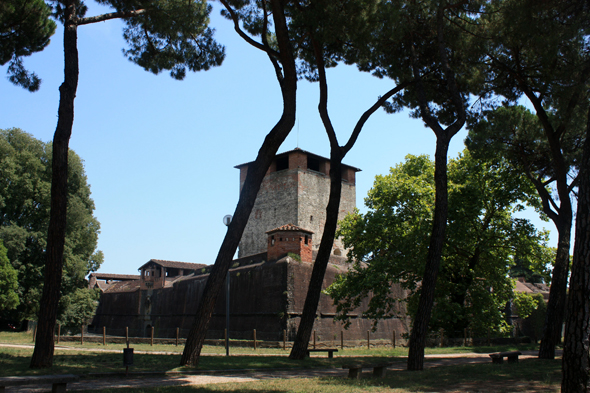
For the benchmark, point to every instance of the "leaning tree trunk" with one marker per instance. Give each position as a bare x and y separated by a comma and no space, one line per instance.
254,177
299,350
576,358
43,353
216,280
437,238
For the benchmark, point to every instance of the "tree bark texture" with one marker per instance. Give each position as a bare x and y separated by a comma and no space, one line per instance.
437,238
576,358
254,177
44,344
299,350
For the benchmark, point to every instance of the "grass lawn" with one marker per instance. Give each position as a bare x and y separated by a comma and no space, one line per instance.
533,376
26,338
527,376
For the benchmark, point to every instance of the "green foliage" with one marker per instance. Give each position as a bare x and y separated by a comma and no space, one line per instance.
389,244
536,319
516,134
8,282
526,303
77,308
170,35
25,28
538,49
402,44
25,184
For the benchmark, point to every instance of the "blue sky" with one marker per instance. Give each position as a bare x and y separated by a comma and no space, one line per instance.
160,154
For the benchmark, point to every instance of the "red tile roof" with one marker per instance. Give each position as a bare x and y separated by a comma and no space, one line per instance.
289,228
117,277
174,264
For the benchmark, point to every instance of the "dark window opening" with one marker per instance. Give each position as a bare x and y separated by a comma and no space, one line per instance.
306,239
272,240
313,164
280,239
282,163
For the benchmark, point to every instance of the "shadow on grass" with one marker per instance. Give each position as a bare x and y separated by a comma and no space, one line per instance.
16,362
530,375
534,376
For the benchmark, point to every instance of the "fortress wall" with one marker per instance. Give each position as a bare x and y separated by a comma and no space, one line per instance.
257,301
325,326
116,311
268,297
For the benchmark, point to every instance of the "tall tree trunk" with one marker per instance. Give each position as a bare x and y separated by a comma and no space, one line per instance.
337,154
437,238
299,350
44,345
562,219
558,292
576,358
254,177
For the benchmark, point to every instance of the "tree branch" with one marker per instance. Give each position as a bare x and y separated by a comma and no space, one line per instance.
450,77
112,15
363,119
242,34
323,104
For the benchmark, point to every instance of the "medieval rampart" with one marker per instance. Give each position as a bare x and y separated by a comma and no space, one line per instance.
268,297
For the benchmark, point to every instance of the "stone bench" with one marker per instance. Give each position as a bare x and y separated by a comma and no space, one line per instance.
498,358
329,350
355,370
59,382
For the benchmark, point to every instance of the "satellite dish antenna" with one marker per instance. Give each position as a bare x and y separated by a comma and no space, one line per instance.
227,219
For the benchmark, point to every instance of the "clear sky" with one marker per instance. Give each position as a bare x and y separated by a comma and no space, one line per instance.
160,154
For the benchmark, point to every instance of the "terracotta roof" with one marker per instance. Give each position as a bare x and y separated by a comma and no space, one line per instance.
102,285
118,277
124,286
521,287
289,228
175,265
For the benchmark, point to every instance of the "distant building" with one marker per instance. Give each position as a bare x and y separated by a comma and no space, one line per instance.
269,279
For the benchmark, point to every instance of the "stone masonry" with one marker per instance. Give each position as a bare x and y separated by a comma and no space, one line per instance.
295,190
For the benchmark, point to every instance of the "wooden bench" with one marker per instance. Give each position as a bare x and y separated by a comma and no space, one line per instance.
59,382
355,370
329,350
498,358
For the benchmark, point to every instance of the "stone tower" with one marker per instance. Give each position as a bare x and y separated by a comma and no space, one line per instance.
295,191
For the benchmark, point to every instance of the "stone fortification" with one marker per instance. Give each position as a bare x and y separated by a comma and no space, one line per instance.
268,283
295,190
266,296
